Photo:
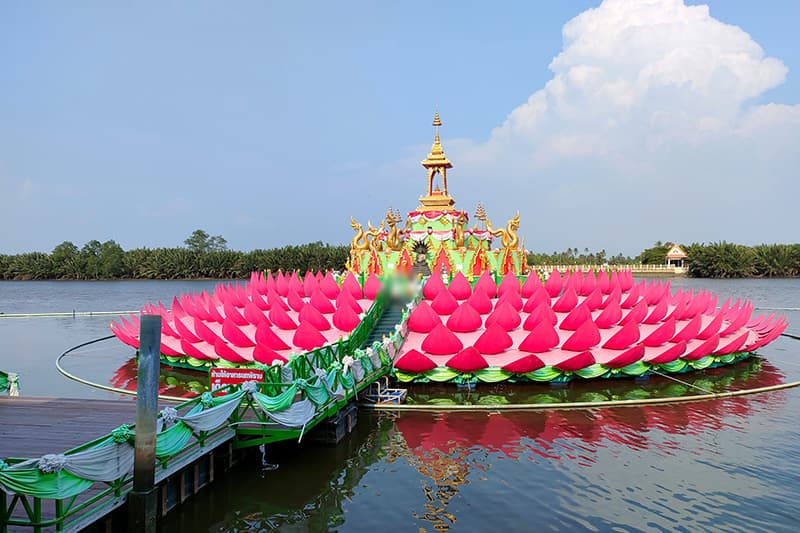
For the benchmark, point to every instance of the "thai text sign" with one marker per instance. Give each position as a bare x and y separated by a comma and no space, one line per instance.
221,377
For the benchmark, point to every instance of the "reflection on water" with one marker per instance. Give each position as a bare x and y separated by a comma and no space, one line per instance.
722,464
174,382
751,373
729,465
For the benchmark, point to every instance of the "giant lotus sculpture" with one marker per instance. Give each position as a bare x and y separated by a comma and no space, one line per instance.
480,316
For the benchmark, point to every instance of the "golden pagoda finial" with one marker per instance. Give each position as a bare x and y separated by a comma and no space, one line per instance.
436,149
480,212
437,164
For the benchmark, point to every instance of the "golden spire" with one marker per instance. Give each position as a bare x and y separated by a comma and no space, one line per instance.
437,152
437,163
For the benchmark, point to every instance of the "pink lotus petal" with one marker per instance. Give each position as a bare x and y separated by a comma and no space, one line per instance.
467,360
627,335
414,362
442,341
433,287
459,287
585,337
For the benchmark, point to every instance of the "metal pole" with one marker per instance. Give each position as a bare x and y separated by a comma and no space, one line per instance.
142,502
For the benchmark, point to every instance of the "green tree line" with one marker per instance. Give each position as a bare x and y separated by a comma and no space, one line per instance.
573,256
714,260
729,260
207,258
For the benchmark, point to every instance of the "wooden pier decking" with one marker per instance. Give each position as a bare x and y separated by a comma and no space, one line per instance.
32,427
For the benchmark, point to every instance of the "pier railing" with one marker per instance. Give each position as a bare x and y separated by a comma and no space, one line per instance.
73,489
70,490
367,324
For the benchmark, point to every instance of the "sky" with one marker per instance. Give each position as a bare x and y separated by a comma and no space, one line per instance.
607,125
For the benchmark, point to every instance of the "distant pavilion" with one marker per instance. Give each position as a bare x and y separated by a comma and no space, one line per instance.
676,256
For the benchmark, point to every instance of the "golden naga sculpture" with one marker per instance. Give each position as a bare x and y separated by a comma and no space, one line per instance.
509,236
359,242
393,237
373,236
458,229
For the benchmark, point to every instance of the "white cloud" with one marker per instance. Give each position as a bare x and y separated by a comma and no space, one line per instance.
646,131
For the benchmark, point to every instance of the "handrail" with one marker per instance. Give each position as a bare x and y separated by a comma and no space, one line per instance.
122,486
375,361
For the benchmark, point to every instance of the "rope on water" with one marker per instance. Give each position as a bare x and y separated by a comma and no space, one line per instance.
701,389
72,314
508,407
578,405
99,385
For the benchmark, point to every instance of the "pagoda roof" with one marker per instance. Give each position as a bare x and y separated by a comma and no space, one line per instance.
676,252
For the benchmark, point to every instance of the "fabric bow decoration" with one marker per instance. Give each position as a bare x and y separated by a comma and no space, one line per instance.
249,387
52,463
169,415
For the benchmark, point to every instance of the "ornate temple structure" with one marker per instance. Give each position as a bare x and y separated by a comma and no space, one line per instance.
436,235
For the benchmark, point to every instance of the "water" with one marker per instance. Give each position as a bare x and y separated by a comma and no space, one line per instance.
29,346
723,465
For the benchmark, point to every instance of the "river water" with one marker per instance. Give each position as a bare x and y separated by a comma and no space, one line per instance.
722,465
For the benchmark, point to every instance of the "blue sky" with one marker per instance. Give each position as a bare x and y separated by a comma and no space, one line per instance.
270,123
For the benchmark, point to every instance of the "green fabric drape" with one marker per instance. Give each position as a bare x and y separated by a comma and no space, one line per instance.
27,478
546,373
33,482
592,371
674,366
405,377
366,363
347,380
725,359
172,440
9,382
635,369
317,392
701,363
276,403
492,374
441,374
219,400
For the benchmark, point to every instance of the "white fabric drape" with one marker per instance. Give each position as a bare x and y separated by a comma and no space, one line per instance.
105,462
296,415
212,417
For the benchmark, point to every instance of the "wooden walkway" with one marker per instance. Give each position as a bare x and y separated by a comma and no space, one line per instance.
32,427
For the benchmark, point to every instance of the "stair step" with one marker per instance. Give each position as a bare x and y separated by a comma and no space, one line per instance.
385,324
